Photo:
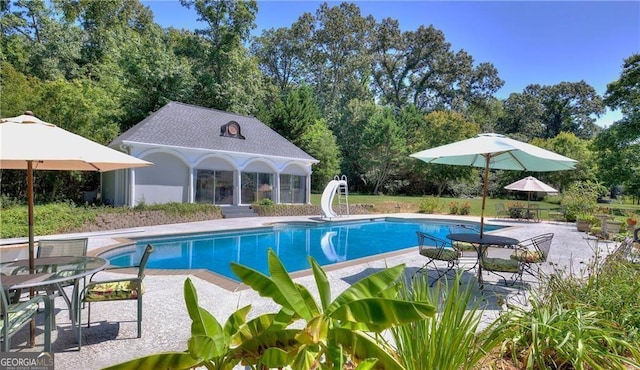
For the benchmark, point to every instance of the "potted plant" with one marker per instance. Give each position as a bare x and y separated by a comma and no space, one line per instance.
614,226
584,221
631,217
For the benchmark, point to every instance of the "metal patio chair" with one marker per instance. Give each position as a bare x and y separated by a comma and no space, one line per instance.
127,288
437,250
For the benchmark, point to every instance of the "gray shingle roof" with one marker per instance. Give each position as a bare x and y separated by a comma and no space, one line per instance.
190,126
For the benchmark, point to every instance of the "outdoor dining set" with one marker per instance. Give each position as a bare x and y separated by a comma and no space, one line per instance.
61,268
507,257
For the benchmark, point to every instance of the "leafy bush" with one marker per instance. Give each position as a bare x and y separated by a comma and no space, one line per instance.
48,219
464,209
516,209
456,208
614,286
553,199
172,208
453,207
265,202
429,205
57,218
554,335
581,198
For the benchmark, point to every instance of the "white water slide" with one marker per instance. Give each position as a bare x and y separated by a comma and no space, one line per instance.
327,197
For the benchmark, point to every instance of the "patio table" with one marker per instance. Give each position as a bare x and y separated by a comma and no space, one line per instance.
481,243
53,272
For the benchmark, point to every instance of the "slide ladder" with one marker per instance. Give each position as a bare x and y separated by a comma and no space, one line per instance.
336,186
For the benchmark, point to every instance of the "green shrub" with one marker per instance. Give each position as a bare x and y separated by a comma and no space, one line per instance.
453,207
265,202
429,205
555,335
553,199
464,209
172,208
581,198
58,218
613,285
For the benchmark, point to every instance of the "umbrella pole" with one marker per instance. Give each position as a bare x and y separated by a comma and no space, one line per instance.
484,193
32,326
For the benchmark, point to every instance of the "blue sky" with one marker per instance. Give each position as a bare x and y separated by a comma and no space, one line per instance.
543,42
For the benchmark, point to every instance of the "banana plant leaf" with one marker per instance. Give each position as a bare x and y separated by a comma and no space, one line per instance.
167,360
360,347
382,313
368,287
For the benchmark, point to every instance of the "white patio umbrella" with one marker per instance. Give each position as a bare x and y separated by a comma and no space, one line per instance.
29,144
530,184
494,151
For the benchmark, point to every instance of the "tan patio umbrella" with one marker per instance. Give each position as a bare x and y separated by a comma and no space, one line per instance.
494,151
29,144
530,184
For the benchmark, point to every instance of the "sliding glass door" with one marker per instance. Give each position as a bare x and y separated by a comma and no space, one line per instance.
214,187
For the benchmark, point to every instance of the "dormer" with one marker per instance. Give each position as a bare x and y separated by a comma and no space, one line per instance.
231,129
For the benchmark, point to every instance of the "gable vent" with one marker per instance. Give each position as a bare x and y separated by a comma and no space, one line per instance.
231,129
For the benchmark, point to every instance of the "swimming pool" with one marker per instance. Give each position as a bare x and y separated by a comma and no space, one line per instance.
327,242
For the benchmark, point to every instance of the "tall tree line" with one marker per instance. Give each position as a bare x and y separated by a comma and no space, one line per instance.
356,93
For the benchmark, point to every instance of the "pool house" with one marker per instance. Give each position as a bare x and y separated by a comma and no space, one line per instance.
203,155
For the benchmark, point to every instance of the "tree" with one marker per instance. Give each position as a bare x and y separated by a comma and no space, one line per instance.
439,128
624,94
292,114
37,42
337,59
545,111
569,145
385,146
319,142
373,145
522,115
619,145
228,78
418,67
280,53
19,93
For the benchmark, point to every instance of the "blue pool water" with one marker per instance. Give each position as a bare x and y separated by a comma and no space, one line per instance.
327,243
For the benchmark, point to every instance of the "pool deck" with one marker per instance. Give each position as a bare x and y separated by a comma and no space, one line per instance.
166,324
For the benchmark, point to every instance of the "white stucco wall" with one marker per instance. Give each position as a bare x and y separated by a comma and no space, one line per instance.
166,181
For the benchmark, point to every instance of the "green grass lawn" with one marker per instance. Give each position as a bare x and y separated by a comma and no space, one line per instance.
391,204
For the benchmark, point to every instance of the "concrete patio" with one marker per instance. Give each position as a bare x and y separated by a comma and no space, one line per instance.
166,324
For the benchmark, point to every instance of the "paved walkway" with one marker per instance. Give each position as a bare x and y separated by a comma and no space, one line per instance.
166,325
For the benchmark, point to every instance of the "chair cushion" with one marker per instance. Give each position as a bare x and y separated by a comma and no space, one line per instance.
442,254
500,264
16,319
113,291
464,246
527,256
